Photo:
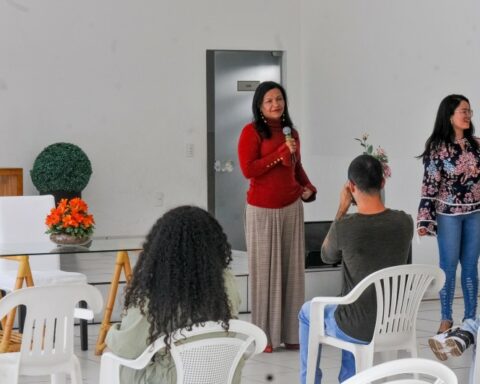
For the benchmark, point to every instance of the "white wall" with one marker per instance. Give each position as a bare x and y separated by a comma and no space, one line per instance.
125,80
382,67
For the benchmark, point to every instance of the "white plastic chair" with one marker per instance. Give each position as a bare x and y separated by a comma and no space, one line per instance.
22,220
205,361
47,342
434,371
399,291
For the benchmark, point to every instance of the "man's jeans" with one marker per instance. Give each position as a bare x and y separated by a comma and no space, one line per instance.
471,326
331,329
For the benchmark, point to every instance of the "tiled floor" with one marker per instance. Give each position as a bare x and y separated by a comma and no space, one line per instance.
282,366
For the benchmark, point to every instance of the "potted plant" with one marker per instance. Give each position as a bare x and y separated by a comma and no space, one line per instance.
61,169
70,223
378,154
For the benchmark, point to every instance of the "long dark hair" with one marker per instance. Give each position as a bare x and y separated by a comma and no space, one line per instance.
260,125
443,132
178,279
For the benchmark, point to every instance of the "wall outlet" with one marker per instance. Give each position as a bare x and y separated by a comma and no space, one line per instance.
159,199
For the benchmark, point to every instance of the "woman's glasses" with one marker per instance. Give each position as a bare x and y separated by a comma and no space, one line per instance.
465,112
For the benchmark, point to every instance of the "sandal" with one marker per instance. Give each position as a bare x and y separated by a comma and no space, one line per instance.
445,325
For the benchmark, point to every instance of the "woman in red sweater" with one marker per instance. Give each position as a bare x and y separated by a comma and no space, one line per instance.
269,156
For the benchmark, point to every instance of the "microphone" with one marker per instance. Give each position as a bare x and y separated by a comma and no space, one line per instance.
287,131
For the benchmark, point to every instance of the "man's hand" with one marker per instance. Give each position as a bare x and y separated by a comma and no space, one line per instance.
345,201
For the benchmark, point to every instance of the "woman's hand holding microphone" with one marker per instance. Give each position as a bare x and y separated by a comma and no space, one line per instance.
291,144
289,140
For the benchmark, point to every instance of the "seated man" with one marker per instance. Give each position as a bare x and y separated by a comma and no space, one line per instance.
372,239
455,341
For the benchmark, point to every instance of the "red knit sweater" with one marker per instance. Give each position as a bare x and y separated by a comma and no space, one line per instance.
275,180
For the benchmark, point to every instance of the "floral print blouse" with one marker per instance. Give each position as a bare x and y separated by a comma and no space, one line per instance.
451,183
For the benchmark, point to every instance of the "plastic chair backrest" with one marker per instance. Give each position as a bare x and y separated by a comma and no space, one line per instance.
48,332
193,360
211,360
399,292
22,220
406,367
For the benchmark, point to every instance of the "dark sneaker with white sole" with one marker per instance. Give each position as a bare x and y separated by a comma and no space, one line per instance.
453,342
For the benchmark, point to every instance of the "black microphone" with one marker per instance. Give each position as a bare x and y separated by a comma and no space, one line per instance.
287,131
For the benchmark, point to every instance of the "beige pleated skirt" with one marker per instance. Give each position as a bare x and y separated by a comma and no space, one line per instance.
276,256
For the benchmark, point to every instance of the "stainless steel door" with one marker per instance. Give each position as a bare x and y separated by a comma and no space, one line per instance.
232,77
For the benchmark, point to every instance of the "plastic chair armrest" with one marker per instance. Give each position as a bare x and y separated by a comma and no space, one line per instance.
319,303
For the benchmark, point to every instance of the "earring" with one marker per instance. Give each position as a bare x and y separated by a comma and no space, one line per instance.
283,117
263,118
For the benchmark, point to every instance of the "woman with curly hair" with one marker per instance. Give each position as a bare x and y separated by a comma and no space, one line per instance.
181,279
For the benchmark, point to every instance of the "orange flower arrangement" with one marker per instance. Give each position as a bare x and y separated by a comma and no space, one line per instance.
70,217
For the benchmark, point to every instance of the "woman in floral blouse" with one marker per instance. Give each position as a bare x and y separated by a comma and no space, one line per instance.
450,203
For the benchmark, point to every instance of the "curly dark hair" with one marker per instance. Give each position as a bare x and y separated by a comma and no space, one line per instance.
178,279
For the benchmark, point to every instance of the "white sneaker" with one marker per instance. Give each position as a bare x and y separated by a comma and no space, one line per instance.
458,340
453,342
438,346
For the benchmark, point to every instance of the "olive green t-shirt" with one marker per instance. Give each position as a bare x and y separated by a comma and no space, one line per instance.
366,244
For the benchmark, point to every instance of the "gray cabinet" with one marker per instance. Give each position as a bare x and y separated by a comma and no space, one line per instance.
326,281
323,282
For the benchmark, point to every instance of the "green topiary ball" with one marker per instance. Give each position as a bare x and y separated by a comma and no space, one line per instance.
61,167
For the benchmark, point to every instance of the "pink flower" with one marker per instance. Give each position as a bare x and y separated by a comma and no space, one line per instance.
381,151
387,172
476,192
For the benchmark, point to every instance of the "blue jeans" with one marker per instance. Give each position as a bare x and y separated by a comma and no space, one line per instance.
331,329
459,241
471,325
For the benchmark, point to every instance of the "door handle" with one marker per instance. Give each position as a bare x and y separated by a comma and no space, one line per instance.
226,167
